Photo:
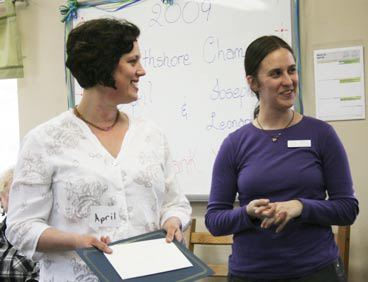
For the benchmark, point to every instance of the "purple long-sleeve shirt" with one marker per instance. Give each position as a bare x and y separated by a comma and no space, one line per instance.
251,166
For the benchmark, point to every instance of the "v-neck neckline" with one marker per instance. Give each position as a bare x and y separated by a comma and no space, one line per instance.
98,143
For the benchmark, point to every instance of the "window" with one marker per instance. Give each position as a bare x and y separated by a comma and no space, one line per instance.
9,123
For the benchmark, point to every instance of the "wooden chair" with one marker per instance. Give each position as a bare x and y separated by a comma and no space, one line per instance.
205,238
342,237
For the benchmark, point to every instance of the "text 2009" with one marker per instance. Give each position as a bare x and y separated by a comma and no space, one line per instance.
185,11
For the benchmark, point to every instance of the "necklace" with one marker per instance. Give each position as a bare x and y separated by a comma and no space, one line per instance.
275,138
78,114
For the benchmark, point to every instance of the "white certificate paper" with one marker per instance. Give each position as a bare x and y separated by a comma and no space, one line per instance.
146,257
339,83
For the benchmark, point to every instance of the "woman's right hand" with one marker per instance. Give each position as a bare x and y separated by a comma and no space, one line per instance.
261,209
86,241
52,240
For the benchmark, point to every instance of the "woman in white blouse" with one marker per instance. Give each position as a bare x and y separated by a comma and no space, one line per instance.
94,171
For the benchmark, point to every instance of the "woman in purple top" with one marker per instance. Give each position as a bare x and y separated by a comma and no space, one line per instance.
292,178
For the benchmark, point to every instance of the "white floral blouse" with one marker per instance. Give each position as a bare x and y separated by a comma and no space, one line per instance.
66,179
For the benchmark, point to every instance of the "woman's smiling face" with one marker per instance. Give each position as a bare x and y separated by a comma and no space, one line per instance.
277,80
127,75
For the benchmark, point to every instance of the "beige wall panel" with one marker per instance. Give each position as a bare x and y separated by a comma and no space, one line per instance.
333,24
42,91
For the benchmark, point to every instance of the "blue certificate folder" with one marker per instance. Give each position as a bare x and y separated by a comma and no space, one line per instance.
102,268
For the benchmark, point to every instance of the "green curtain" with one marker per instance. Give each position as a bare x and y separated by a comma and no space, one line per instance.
11,61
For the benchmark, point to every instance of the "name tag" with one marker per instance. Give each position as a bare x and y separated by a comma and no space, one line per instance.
299,143
104,216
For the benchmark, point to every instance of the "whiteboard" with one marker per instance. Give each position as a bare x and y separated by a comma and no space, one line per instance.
195,87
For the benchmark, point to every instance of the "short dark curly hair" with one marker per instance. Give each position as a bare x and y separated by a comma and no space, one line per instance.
95,47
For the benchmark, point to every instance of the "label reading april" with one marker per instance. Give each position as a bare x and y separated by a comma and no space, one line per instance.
104,216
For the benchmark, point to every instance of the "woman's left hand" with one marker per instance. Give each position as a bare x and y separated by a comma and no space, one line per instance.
284,212
105,239
173,229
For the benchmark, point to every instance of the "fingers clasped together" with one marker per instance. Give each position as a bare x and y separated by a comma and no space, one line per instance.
276,213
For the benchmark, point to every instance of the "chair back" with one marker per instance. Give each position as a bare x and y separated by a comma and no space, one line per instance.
342,238
205,238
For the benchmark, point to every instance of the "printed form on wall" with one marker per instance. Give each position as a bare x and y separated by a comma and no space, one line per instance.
339,83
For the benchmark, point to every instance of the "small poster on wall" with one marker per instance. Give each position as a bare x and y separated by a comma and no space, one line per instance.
339,83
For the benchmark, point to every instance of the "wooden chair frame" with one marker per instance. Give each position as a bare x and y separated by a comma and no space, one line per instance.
205,238
342,237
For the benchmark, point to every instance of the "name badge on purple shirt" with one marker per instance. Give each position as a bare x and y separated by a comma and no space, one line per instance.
299,143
